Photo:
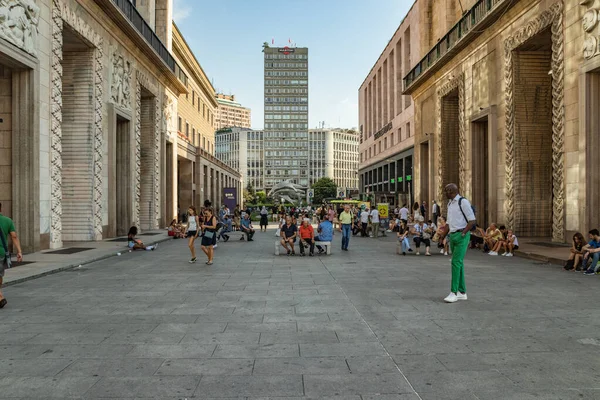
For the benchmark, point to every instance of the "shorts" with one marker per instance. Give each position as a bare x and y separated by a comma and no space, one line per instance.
190,234
516,247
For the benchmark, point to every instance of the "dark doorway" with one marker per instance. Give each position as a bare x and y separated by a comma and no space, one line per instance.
123,176
480,170
424,177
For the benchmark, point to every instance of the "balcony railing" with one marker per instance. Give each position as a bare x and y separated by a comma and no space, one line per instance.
136,19
479,16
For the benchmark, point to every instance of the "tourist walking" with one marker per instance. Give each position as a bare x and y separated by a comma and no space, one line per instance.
193,228
364,220
435,210
264,219
7,228
461,220
209,236
347,224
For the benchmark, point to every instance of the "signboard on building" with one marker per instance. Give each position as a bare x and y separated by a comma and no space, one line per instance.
287,50
230,198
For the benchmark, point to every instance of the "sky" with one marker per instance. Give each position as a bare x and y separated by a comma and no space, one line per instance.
344,40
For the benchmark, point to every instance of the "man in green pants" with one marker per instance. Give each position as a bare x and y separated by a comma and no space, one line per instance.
461,219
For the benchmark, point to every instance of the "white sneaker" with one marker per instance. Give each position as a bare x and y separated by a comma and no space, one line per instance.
461,296
509,254
445,254
452,298
503,254
418,253
215,246
492,253
442,251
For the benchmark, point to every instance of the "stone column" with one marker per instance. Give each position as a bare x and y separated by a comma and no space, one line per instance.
148,10
164,21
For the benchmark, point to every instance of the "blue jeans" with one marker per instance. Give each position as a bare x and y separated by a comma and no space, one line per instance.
405,244
346,231
594,265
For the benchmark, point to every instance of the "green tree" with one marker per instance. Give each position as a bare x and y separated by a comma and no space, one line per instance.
324,188
260,198
249,194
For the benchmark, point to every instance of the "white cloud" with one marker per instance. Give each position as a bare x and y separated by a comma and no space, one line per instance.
181,10
345,101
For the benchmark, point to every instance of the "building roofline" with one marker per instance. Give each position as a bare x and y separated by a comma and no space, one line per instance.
388,43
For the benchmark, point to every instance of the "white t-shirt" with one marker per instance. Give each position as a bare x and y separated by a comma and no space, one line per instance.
364,217
375,216
404,213
516,242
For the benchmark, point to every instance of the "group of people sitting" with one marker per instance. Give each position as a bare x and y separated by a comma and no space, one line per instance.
494,240
289,232
585,256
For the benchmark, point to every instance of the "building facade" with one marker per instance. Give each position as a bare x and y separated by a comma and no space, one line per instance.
506,107
286,115
333,153
230,113
82,119
197,175
386,116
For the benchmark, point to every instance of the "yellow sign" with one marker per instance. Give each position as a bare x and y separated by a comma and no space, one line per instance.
383,210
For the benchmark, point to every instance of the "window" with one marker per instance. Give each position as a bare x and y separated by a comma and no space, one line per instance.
193,97
179,124
203,110
408,130
187,130
369,152
203,143
194,136
385,143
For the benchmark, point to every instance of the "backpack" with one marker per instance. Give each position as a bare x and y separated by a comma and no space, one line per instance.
463,213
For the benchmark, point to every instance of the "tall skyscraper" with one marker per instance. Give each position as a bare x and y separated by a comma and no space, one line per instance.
286,115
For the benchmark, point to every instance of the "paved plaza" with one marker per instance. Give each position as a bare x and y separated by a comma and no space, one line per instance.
365,324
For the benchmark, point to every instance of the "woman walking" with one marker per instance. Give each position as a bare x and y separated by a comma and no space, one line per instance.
193,229
209,237
264,219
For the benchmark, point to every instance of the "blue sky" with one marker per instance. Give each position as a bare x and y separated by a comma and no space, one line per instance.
344,37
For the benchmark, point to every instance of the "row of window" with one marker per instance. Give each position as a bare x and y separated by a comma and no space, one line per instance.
280,125
286,153
206,113
278,82
286,108
287,91
286,99
282,56
284,143
192,137
286,73
303,117
297,65
299,135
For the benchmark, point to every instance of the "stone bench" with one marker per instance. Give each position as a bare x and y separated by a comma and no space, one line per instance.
327,245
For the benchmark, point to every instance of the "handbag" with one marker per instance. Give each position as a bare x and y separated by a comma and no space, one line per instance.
278,232
209,234
7,260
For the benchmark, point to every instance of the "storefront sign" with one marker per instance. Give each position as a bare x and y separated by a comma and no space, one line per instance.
409,177
383,131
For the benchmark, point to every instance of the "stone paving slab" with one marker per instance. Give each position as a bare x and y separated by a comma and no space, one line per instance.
362,325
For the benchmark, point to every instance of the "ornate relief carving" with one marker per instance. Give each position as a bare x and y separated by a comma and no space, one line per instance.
146,83
553,18
452,84
61,14
169,112
19,21
157,122
138,151
120,88
98,139
590,25
56,128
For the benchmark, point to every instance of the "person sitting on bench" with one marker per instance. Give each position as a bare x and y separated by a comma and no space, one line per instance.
289,231
325,233
307,237
247,227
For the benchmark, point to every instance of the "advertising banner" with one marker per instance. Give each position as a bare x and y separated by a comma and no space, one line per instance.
383,210
230,198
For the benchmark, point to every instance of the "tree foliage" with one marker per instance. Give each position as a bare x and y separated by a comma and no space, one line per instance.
324,188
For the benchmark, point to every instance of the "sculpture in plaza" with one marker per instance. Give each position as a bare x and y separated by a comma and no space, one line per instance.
19,21
288,191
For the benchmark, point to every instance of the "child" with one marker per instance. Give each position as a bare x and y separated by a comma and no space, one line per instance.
511,244
136,244
174,230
